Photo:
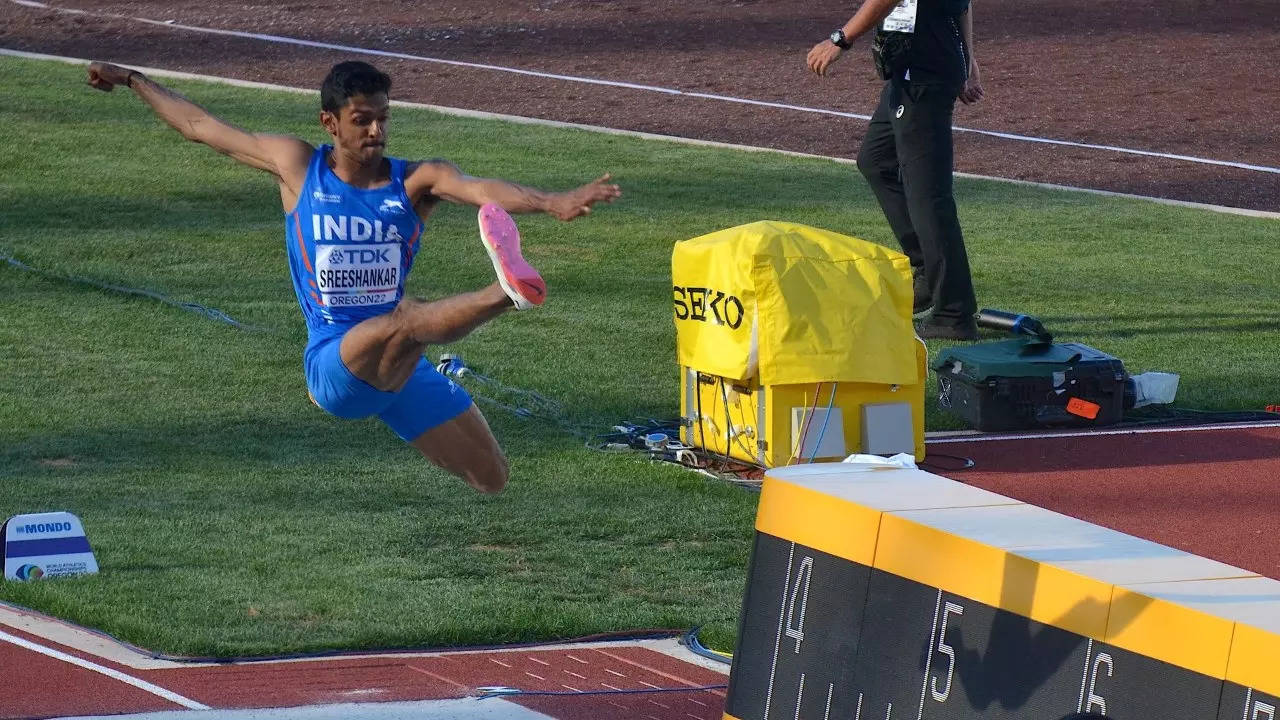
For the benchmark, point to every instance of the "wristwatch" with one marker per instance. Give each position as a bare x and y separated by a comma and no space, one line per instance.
838,39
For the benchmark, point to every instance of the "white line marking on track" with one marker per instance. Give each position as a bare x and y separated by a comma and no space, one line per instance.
540,662
435,676
279,39
655,687
570,687
664,707
526,672
614,672
494,660
653,670
611,687
113,674
462,112
363,692
1091,433
578,659
580,677
617,705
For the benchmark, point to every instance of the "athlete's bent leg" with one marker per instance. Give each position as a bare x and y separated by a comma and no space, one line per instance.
384,350
436,415
467,448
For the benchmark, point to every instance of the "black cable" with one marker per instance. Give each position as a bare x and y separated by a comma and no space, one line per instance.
1170,415
964,463
746,449
697,393
628,435
728,419
209,312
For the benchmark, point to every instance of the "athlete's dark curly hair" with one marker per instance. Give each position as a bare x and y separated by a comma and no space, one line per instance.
351,78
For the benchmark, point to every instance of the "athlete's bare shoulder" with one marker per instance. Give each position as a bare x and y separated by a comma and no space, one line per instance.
421,177
290,155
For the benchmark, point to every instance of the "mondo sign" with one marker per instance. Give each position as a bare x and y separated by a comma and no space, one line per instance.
900,595
46,545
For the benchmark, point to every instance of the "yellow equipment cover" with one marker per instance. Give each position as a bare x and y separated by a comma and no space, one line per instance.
787,304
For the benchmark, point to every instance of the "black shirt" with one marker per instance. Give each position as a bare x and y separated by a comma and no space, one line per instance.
938,53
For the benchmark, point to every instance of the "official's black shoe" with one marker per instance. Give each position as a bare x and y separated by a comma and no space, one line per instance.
937,331
922,302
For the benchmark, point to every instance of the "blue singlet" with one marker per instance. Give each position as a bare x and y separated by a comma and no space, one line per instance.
349,252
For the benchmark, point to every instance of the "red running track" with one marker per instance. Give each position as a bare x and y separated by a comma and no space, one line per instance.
1213,493
37,686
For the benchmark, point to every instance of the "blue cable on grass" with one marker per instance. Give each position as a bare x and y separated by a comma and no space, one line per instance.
209,312
691,641
825,420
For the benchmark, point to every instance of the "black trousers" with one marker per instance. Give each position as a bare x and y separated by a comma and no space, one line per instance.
907,159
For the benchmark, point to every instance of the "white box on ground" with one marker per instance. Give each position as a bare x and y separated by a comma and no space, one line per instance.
51,544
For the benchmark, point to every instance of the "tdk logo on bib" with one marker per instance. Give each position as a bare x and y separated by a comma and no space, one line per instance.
344,228
360,256
349,276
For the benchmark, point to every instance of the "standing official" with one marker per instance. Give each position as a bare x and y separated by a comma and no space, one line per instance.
923,50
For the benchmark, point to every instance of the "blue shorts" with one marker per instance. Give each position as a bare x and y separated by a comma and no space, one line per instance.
427,400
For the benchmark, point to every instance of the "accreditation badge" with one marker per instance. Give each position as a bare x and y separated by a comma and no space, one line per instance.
903,18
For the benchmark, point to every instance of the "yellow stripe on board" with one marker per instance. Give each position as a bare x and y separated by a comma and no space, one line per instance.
1193,639
1255,659
1173,633
810,518
993,576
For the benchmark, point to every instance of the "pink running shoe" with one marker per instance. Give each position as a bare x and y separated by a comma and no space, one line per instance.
522,283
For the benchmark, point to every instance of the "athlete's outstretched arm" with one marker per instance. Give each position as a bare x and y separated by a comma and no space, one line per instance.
445,181
279,155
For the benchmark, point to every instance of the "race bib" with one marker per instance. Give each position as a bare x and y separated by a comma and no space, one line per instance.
902,19
358,275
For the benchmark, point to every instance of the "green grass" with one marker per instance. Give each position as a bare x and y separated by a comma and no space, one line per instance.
231,517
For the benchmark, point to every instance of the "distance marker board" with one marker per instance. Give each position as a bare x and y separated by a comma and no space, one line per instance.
863,634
